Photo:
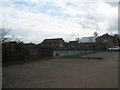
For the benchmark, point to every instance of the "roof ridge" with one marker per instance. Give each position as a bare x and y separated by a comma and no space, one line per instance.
53,38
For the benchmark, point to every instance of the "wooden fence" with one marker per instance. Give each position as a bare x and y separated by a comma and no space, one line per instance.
19,51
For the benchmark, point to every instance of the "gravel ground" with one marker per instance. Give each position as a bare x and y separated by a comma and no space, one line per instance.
65,73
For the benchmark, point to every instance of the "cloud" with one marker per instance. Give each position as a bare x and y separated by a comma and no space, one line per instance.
98,15
68,19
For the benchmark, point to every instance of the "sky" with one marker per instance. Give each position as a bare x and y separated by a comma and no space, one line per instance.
36,20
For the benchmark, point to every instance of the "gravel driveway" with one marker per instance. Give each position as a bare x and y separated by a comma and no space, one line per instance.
65,73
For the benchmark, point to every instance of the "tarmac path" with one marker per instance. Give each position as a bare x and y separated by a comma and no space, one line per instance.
65,73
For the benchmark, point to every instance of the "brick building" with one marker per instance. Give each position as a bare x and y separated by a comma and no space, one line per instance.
55,43
73,45
105,41
86,46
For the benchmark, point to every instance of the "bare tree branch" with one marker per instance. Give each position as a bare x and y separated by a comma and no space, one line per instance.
5,35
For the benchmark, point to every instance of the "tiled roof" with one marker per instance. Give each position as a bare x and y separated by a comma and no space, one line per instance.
55,40
73,42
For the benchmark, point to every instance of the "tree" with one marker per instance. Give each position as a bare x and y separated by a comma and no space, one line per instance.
78,39
6,36
96,34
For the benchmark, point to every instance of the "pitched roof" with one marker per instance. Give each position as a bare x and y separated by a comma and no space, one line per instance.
55,40
73,42
87,39
105,35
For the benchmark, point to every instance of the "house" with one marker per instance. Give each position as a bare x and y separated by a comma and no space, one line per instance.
87,39
81,46
86,46
55,43
87,43
73,45
105,41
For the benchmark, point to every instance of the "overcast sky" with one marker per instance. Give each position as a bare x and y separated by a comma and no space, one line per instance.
36,20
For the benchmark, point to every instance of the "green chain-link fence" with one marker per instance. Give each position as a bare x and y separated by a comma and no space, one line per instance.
71,53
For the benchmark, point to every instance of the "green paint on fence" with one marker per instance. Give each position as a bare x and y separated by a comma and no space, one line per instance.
70,53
